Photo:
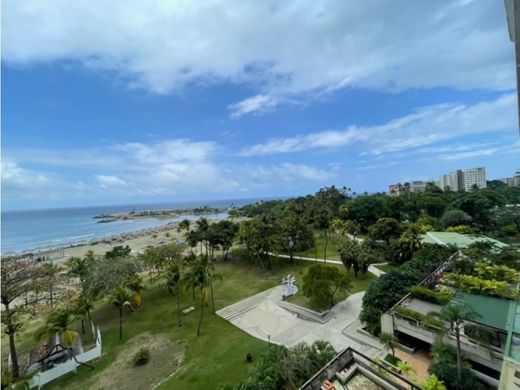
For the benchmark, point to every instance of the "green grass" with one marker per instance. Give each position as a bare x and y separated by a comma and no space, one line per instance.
387,267
218,356
332,248
359,284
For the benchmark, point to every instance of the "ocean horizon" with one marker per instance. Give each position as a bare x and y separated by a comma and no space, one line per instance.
28,230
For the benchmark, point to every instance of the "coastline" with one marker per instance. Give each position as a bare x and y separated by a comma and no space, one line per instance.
138,241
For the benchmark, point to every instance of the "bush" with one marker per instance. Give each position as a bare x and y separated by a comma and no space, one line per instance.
392,359
141,357
425,294
447,373
462,229
475,285
426,322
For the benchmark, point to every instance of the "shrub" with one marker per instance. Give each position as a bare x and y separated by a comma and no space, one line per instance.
425,294
424,321
462,229
475,285
141,357
392,359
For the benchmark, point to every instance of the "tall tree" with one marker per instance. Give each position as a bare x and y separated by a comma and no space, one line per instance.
173,283
18,292
454,315
322,282
198,277
121,298
50,279
389,341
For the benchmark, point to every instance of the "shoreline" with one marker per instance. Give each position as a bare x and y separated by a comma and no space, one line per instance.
137,240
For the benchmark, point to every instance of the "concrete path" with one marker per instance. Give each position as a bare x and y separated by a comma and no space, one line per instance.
268,321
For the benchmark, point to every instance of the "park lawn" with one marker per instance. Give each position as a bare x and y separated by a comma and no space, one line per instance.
319,251
216,357
387,267
358,284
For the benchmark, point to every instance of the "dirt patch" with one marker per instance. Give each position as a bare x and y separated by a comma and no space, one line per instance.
166,358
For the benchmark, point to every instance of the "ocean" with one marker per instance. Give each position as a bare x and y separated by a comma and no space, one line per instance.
37,229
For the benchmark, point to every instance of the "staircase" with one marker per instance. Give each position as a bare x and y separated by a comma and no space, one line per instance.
237,309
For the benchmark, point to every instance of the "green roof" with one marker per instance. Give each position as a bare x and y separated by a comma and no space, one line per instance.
493,312
457,239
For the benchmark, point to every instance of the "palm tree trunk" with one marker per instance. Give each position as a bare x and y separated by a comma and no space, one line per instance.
51,297
82,326
121,323
326,244
15,370
459,359
212,298
178,309
201,314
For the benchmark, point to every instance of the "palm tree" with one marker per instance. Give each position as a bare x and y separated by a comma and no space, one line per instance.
184,225
433,383
59,322
136,287
121,299
200,276
81,308
81,268
389,341
408,243
454,315
173,281
405,368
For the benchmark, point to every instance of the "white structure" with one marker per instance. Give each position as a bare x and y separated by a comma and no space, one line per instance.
463,180
452,181
43,377
474,177
290,287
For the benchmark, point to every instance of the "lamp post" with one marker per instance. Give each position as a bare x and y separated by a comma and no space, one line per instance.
268,342
513,24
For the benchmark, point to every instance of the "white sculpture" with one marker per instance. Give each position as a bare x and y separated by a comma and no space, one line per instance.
289,282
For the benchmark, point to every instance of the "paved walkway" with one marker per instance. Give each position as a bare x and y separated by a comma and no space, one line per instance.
262,317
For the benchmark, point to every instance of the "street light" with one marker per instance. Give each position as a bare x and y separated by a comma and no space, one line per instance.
268,342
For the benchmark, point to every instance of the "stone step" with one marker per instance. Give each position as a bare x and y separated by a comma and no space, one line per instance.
243,306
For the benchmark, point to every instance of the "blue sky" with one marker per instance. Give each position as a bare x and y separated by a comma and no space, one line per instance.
143,101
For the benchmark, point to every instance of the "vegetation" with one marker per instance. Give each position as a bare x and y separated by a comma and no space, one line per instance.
389,341
282,368
141,357
391,287
322,282
425,294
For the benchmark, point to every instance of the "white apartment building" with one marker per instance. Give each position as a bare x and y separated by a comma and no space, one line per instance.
474,176
463,180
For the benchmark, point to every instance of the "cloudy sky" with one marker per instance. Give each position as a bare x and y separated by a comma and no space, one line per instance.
138,101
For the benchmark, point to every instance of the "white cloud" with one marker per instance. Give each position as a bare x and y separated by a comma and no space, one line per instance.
288,172
426,126
21,181
110,181
255,104
282,50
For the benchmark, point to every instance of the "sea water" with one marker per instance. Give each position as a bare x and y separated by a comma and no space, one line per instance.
37,229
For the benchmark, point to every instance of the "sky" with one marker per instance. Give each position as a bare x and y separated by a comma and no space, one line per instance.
156,100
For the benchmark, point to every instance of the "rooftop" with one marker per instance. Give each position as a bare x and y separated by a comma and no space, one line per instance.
458,240
492,311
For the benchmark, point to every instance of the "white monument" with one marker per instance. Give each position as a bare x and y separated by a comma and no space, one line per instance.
289,282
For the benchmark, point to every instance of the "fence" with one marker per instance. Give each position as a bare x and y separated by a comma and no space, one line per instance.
43,377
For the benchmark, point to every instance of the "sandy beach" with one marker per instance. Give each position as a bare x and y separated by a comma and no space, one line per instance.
138,241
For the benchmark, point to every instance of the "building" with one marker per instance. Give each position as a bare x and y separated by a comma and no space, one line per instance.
418,186
453,181
394,190
458,240
353,370
474,177
510,373
494,361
